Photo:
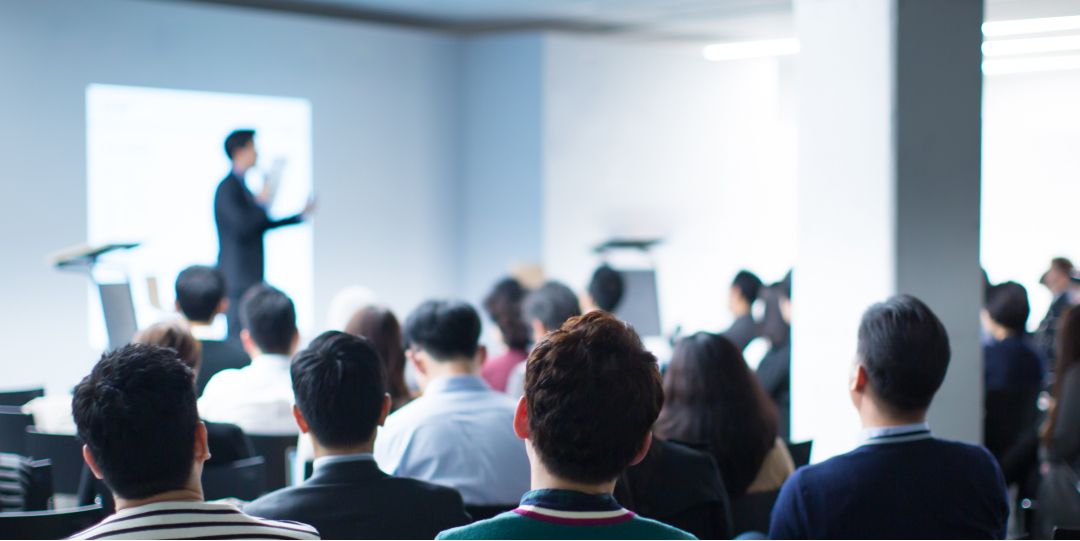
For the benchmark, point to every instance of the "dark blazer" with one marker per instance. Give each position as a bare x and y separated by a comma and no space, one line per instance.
241,223
679,486
743,331
774,374
356,500
1045,336
218,356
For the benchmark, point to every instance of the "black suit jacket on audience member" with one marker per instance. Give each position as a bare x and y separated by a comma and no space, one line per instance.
218,356
679,486
356,500
1045,336
241,223
743,331
774,374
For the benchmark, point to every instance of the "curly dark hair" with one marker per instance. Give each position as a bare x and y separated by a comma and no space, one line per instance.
593,393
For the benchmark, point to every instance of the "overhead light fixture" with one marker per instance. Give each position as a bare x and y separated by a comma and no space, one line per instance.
1033,45
1031,26
1028,65
751,49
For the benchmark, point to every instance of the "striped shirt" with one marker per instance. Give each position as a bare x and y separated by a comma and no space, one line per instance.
193,520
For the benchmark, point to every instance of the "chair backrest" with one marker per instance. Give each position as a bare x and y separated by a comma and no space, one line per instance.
65,452
752,512
275,450
13,425
49,524
800,452
1066,533
243,479
484,512
19,398
40,488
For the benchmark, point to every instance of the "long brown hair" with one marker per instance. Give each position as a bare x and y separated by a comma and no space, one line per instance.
1068,356
713,399
381,327
173,334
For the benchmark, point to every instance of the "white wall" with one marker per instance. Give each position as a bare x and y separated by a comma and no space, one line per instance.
385,162
647,140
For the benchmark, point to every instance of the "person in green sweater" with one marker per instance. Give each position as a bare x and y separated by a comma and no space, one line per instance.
592,394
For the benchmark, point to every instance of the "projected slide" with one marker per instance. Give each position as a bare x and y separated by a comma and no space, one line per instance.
154,160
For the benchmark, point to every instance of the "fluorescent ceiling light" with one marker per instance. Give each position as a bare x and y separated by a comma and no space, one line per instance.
1031,26
751,49
1026,65
1034,45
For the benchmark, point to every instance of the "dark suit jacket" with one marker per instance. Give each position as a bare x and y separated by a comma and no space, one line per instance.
356,500
679,486
241,223
743,331
218,356
1045,336
774,374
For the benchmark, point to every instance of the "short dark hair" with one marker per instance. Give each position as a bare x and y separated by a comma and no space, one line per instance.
905,351
237,140
1062,264
606,288
749,285
199,290
593,393
1007,304
270,317
340,386
552,304
445,329
504,306
136,412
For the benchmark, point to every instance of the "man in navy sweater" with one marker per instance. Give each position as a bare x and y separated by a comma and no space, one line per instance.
900,483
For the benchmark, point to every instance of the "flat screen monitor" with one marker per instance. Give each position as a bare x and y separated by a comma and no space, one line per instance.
119,314
640,305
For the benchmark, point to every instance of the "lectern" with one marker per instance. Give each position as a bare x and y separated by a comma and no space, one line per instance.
116,300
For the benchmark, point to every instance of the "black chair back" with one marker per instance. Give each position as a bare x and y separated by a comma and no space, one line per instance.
19,398
13,425
243,479
484,512
1066,533
275,450
49,524
40,488
800,452
752,512
65,452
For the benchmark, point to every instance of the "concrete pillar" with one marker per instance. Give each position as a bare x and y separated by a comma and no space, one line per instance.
889,165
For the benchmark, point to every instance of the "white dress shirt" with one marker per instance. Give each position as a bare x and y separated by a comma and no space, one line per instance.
459,434
257,398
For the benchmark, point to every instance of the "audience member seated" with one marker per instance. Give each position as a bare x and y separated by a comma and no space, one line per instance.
605,291
503,304
774,372
137,416
381,327
459,433
1059,500
900,483
592,394
544,310
1009,360
227,443
200,296
258,398
341,398
713,400
1058,280
744,291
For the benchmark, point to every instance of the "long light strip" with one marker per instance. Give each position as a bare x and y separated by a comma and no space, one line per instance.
751,49
1031,26
1034,45
1027,65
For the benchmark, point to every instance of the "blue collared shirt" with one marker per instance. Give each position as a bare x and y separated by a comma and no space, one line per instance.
894,434
459,434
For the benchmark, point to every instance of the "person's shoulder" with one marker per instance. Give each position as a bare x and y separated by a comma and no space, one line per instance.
505,526
965,453
651,529
273,505
282,528
427,493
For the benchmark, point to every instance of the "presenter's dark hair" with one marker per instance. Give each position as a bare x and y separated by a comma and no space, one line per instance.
504,306
270,317
593,393
713,399
552,304
445,329
905,350
1007,304
381,327
606,288
199,290
136,412
340,386
749,285
237,140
